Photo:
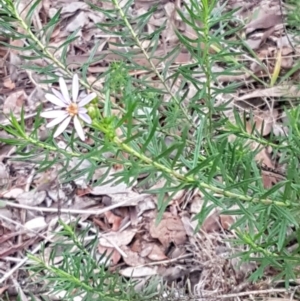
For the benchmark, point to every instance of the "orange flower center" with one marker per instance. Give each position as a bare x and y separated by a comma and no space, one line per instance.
72,109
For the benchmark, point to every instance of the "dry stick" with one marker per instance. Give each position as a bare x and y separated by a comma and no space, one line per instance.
165,261
12,259
63,210
272,290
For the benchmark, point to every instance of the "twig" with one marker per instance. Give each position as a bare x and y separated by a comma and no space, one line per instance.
165,261
63,210
241,294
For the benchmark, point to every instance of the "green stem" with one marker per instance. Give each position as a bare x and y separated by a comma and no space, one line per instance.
192,180
181,177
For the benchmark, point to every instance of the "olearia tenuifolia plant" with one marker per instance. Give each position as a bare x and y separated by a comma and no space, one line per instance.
160,130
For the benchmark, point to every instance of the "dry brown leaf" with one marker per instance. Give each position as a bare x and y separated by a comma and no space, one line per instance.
147,4
46,180
35,225
101,225
8,83
72,7
133,215
95,16
212,223
196,204
117,238
136,246
226,221
77,22
133,259
262,157
147,204
254,42
147,248
268,179
188,225
264,21
287,61
5,150
263,121
170,229
114,220
3,289
31,198
156,253
4,177
14,102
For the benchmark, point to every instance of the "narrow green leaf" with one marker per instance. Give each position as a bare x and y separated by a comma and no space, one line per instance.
32,8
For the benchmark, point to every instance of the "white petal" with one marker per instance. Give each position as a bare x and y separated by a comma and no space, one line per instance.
75,88
82,110
57,120
52,98
85,117
78,128
62,127
64,89
87,99
59,95
53,114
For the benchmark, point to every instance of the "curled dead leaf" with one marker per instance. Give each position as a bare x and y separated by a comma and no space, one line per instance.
14,102
157,253
32,198
212,223
226,221
114,220
170,229
117,238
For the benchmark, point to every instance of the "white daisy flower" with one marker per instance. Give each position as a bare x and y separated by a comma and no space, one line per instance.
70,109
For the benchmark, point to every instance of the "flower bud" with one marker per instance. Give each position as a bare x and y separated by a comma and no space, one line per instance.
93,111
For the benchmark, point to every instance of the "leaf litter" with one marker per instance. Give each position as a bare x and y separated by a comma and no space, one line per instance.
129,231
